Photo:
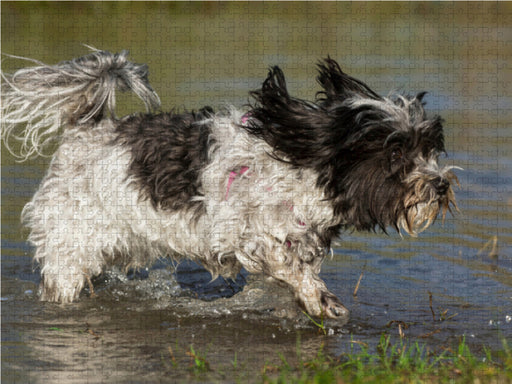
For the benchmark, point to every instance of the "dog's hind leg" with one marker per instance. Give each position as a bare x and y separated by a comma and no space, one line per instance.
69,227
67,256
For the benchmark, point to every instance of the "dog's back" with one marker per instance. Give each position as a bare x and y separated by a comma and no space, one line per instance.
168,152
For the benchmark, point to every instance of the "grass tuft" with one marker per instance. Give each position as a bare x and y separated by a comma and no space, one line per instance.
387,362
397,363
320,325
198,362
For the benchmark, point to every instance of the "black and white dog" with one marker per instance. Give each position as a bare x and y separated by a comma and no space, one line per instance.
266,189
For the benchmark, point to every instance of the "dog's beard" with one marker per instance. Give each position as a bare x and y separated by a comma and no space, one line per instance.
423,204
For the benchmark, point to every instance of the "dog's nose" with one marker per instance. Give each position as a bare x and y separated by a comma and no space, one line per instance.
441,185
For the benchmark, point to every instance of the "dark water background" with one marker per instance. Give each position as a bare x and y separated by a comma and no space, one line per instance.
140,326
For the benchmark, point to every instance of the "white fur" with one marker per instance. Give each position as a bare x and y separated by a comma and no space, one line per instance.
88,214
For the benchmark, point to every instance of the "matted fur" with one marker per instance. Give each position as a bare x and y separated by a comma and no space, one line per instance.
267,190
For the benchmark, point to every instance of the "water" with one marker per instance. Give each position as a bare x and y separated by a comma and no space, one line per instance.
448,283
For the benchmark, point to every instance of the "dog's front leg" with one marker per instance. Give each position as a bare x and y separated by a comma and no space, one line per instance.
310,290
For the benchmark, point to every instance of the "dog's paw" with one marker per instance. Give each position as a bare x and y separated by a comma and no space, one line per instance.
325,305
61,288
332,307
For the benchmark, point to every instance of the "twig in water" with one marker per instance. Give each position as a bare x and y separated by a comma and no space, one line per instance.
401,326
92,295
494,248
359,280
430,304
427,335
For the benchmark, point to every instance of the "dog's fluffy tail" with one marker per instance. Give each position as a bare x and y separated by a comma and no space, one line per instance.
37,101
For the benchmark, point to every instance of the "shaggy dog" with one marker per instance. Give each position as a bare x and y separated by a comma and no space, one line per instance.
266,189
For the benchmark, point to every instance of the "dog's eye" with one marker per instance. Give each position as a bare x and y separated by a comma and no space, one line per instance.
396,160
396,155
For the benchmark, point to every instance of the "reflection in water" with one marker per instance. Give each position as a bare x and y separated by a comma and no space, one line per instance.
126,323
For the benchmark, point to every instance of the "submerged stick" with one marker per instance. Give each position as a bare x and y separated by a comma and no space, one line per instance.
359,281
493,252
430,304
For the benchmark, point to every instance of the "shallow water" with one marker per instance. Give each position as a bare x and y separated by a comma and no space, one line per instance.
140,326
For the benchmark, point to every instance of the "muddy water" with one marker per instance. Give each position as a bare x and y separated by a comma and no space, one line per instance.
453,281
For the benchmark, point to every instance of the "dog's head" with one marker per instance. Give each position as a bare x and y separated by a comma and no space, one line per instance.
376,157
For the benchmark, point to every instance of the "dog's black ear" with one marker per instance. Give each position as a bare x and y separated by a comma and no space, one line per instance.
338,85
420,96
275,107
296,129
275,84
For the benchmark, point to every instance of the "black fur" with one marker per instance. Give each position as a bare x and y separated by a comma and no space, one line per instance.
361,151
337,84
168,152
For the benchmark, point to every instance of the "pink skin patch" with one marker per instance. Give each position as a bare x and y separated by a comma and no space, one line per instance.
245,118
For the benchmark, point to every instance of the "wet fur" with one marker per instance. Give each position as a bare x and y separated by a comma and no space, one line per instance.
267,190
